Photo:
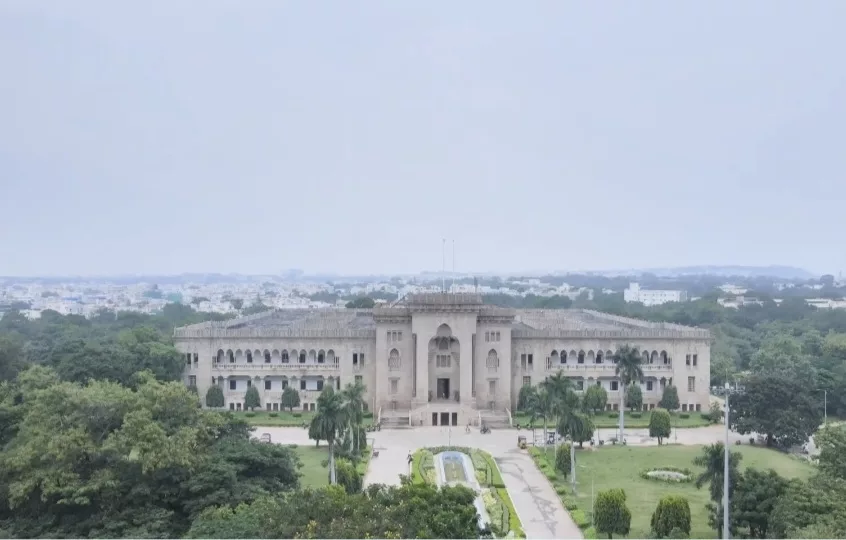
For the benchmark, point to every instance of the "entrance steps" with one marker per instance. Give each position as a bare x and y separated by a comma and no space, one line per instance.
495,419
395,419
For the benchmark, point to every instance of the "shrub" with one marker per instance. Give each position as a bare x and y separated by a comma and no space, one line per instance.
498,512
610,515
562,459
214,397
686,472
659,425
273,415
561,490
347,476
684,416
250,414
636,415
678,533
670,398
580,518
297,415
590,533
705,416
513,521
612,415
252,399
570,502
672,513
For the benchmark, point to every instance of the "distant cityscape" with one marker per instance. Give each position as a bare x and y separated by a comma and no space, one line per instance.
233,295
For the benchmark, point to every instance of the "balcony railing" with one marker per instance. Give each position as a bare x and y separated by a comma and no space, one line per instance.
271,368
607,367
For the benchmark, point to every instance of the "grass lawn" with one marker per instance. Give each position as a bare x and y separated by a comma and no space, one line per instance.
283,418
605,420
313,471
620,467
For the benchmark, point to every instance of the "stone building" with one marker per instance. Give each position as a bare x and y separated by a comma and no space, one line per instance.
438,358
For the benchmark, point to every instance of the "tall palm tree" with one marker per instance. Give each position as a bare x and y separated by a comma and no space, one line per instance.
329,422
628,369
540,405
565,402
712,460
354,404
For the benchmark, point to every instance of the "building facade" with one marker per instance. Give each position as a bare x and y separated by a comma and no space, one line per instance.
435,359
649,297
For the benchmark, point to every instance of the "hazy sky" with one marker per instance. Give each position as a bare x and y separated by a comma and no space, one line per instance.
167,136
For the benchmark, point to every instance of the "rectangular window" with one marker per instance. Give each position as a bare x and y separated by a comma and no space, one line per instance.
355,359
188,358
361,358
684,409
694,359
492,388
337,383
249,383
648,386
497,336
615,385
691,384
523,361
192,380
320,384
268,406
443,361
275,406
196,358
284,384
267,385
388,336
394,386
487,336
359,379
527,381
687,359
399,336
530,360
699,409
231,406
232,383
302,384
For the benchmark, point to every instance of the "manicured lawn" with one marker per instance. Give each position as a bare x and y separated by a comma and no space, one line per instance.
276,419
620,467
313,471
612,420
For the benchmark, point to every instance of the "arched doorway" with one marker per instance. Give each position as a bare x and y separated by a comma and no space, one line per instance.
444,361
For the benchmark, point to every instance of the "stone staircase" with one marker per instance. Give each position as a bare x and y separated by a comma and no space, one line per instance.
395,420
495,419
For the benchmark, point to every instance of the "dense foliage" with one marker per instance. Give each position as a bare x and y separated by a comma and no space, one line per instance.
408,511
105,460
672,512
659,425
611,515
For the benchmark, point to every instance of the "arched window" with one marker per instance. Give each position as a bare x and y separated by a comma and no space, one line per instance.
249,357
321,357
285,358
581,357
493,360
266,356
598,357
394,360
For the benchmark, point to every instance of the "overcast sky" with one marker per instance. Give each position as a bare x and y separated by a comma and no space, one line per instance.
254,136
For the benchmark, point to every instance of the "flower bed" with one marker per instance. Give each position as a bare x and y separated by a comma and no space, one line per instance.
668,474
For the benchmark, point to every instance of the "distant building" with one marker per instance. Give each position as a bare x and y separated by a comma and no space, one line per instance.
652,298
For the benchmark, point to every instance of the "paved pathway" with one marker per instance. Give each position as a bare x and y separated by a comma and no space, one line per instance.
536,503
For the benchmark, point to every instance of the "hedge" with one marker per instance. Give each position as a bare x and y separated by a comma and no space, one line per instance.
590,533
580,518
513,520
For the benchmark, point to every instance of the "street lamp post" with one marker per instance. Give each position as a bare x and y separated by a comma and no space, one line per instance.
726,472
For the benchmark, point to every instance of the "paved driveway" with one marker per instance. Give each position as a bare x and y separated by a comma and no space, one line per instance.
536,503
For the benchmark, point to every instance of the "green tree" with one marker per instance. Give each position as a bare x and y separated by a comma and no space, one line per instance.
672,512
595,398
660,426
214,397
753,501
670,398
348,476
610,514
11,358
354,406
525,396
329,423
762,408
628,369
634,397
290,398
562,459
252,400
579,427
361,302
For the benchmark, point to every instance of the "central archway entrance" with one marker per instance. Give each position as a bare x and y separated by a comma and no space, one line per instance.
444,363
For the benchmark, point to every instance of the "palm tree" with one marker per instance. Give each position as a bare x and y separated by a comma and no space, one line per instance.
564,403
712,460
329,422
540,406
628,370
354,404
